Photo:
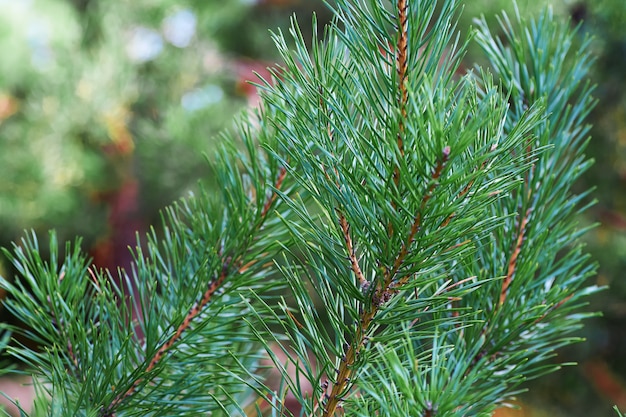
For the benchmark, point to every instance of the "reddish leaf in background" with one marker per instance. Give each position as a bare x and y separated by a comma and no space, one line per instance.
248,72
124,221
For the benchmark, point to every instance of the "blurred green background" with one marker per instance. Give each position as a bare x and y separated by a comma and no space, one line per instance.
108,108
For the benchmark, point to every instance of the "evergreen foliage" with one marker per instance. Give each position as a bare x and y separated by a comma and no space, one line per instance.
419,215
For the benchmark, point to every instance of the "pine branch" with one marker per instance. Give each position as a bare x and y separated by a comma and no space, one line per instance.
346,368
434,231
229,267
402,72
272,199
214,285
426,230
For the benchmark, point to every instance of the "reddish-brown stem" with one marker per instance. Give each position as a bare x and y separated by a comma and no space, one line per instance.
417,222
521,234
345,228
402,69
514,257
213,286
346,367
282,173
382,294
333,399
343,222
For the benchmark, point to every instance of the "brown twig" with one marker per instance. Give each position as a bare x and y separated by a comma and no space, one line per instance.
506,282
354,263
332,401
403,97
402,69
343,222
517,248
384,290
282,173
213,286
521,234
346,367
417,222
381,295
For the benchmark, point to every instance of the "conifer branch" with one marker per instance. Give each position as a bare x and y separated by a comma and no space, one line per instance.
61,326
519,240
402,71
380,296
343,222
348,121
213,286
346,367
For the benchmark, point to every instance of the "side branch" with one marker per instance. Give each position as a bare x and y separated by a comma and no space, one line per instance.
214,285
346,368
60,325
417,222
282,173
381,295
514,256
345,228
343,222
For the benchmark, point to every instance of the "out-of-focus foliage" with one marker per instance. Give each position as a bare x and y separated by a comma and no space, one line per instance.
605,363
94,95
607,20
